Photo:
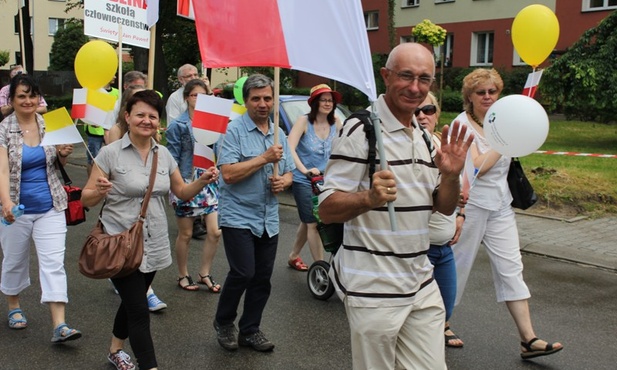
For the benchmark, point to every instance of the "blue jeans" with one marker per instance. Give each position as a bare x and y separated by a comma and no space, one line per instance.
444,272
251,262
95,143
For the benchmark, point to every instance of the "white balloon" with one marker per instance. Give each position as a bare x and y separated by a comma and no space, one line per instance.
516,125
206,137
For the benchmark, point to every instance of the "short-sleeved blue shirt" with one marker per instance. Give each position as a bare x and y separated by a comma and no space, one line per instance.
250,204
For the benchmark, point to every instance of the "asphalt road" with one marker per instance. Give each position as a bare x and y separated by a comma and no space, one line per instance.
570,303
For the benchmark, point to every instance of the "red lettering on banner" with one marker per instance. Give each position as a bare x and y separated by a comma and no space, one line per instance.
141,4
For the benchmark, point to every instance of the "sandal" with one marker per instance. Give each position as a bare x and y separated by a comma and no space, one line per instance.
191,286
214,287
450,337
531,353
15,323
62,333
297,264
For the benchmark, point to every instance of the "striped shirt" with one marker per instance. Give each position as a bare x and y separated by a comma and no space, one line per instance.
377,267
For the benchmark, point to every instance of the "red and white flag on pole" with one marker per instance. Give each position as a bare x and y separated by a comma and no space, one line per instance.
210,118
203,156
339,28
185,9
533,79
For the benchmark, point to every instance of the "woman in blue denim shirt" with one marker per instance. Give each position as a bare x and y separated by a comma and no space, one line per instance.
181,144
310,142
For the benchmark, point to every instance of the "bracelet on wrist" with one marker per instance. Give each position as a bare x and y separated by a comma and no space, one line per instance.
461,215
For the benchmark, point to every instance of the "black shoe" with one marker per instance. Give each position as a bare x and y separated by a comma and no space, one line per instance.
199,230
257,340
226,336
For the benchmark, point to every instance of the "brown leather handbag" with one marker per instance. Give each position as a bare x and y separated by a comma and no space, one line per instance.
114,256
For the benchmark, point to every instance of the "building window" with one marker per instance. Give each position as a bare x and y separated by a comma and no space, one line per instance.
444,1
446,49
482,48
372,20
410,3
599,4
407,38
55,24
517,60
17,25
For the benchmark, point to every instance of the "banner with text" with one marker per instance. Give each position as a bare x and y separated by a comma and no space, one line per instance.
103,17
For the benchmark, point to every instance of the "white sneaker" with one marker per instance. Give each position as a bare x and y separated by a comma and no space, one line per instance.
121,360
155,304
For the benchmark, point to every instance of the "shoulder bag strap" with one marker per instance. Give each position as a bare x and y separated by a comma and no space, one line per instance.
65,176
144,205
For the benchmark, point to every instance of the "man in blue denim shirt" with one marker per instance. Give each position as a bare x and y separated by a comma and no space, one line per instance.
248,213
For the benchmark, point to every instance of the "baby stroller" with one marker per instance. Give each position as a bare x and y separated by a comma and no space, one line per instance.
331,236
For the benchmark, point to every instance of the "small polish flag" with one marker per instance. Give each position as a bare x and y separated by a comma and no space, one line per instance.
185,9
92,106
60,128
533,79
203,156
211,118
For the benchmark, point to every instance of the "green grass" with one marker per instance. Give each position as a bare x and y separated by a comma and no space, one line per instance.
582,185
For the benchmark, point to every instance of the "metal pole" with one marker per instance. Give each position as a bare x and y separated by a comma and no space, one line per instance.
383,162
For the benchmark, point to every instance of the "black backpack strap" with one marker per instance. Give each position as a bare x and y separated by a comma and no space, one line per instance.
364,116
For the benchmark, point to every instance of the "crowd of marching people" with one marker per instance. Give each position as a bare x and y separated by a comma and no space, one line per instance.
399,287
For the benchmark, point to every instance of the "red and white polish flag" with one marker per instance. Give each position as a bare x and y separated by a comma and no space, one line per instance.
338,25
533,80
185,9
203,156
210,118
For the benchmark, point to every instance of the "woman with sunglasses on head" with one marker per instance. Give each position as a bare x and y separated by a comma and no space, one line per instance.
310,142
28,176
181,145
444,231
490,218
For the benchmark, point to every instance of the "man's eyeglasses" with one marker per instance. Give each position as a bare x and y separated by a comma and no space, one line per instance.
428,110
191,76
326,101
409,77
489,91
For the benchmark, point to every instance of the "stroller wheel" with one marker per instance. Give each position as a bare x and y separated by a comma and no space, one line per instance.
318,280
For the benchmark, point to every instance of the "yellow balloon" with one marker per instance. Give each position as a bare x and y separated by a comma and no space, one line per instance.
535,32
96,64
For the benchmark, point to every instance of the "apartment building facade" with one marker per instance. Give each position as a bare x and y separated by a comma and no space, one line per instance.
46,17
479,31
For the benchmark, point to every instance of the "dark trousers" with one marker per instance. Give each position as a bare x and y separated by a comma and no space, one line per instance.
251,261
133,317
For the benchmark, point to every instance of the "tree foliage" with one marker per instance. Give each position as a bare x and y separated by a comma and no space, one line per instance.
4,57
583,81
67,42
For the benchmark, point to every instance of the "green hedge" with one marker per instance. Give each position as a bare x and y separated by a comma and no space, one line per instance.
55,102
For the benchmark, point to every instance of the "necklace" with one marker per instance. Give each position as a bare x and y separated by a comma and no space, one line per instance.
475,119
